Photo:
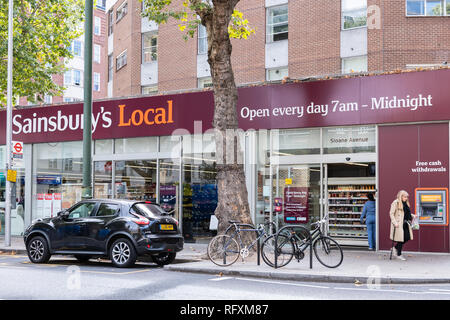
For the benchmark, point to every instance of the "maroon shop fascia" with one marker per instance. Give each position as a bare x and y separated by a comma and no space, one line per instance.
412,110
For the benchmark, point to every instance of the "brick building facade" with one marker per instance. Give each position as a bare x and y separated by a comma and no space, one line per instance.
298,39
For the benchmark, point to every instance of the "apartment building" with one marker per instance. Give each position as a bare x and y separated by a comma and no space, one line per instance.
73,78
294,38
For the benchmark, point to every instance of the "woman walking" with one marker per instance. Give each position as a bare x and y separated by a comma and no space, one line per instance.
368,213
401,218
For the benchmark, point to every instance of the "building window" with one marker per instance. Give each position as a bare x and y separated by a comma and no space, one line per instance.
97,26
277,23
101,4
121,60
97,53
110,67
205,82
149,47
354,14
150,90
277,74
68,99
110,22
121,11
76,77
76,48
202,40
68,78
96,81
427,7
47,99
354,64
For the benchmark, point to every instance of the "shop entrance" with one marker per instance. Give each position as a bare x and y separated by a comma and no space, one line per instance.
305,193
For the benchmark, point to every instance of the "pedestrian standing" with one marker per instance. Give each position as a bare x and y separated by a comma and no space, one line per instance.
401,218
368,213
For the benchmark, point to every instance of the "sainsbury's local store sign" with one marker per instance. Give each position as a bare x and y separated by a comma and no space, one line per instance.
406,97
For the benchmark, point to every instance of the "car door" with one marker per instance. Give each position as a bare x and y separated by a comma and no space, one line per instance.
99,225
72,229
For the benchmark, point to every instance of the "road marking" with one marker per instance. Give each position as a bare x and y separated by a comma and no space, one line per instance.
221,279
440,290
284,283
115,273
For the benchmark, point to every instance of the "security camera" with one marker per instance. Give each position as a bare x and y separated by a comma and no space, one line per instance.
348,158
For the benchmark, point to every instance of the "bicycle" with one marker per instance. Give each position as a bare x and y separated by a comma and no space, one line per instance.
291,244
223,250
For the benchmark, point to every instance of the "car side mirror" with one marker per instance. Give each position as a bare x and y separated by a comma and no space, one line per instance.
63,214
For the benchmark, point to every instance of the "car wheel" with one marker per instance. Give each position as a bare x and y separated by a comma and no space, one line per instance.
82,257
122,253
38,251
164,258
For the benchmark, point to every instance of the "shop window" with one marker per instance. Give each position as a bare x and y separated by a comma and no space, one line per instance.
200,185
103,179
57,177
169,181
136,180
263,177
296,142
277,24
354,14
136,145
102,147
170,144
349,139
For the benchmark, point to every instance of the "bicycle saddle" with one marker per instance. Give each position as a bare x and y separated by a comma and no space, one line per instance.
233,221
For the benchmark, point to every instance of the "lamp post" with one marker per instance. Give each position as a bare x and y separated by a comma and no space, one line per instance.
9,94
87,106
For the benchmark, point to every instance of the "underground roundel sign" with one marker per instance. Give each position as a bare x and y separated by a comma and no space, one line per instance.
17,147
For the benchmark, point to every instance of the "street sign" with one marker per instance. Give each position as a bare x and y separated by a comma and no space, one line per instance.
17,154
17,147
11,176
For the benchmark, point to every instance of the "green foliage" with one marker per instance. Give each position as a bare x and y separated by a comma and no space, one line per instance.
43,32
161,10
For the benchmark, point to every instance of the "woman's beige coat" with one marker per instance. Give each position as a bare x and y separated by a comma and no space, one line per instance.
397,214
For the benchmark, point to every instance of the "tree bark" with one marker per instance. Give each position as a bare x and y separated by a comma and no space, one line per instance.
232,189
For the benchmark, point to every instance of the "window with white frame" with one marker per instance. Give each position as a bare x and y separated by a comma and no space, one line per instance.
354,14
277,74
110,67
121,60
205,82
149,47
76,48
96,85
97,53
427,7
97,26
202,40
150,90
76,77
110,22
47,99
121,11
354,64
277,23
68,78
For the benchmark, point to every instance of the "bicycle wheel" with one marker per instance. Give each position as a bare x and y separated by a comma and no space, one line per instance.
285,251
223,250
328,252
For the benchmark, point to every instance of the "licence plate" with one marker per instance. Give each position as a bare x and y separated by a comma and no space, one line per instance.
165,227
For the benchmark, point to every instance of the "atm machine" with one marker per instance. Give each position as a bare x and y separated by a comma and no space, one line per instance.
432,206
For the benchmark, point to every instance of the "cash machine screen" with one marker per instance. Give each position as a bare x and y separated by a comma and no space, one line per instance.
431,206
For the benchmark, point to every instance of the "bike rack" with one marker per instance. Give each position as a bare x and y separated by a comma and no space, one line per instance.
307,232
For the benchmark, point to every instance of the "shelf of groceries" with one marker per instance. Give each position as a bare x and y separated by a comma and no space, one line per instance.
345,204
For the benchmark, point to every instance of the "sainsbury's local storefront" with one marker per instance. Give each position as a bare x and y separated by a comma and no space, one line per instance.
309,149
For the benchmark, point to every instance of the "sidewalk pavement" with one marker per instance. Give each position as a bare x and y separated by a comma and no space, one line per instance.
359,267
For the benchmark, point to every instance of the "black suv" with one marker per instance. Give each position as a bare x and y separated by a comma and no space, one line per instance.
121,230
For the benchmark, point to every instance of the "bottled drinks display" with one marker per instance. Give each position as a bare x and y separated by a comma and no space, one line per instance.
345,204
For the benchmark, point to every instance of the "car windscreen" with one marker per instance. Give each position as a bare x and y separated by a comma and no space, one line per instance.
149,210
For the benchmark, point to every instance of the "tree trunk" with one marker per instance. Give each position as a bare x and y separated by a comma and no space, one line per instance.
232,190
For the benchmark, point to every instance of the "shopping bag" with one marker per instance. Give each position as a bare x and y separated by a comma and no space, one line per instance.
415,224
